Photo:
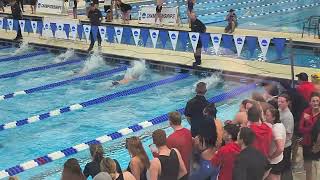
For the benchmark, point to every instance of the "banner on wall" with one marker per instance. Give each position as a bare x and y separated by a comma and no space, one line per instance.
47,32
174,38
264,45
34,26
239,42
216,39
10,24
118,31
154,34
1,22
136,35
73,31
103,32
50,7
60,33
169,15
251,44
87,30
194,38
22,24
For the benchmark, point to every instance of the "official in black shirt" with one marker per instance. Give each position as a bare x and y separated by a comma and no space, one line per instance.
194,109
95,17
16,15
197,26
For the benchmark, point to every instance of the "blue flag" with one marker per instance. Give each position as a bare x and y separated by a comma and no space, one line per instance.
5,23
280,45
183,37
66,28
16,25
94,31
144,36
126,35
80,31
205,37
28,26
227,41
40,27
251,43
110,34
53,28
163,37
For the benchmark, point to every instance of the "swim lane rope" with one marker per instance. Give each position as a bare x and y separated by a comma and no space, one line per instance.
112,136
23,56
62,83
95,101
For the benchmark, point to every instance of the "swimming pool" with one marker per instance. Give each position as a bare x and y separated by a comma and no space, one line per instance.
272,15
32,93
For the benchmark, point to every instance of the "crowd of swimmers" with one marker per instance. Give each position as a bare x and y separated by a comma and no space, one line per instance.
261,142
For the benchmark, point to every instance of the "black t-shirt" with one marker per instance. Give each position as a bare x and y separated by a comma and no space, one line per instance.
194,110
198,26
93,168
249,165
16,11
95,17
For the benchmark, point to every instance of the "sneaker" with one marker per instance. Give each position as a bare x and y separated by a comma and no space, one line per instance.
90,50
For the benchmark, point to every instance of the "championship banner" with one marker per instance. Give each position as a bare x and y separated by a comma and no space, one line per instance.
1,22
154,34
264,45
34,26
10,24
87,30
194,38
239,42
118,31
174,38
136,35
22,24
47,32
103,32
60,33
216,39
169,15
50,6
73,31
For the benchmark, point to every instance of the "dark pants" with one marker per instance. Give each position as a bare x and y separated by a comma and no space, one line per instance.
19,35
197,54
92,40
287,172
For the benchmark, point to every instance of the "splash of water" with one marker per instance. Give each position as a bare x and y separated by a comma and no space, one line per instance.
136,71
64,56
211,81
23,47
92,63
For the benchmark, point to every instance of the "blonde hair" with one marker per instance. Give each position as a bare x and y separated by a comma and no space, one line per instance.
13,178
108,165
135,148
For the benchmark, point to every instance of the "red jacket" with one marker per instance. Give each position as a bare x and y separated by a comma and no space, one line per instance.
306,125
263,138
225,158
305,88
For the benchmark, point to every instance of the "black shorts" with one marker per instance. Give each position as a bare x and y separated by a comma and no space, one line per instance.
107,8
287,158
158,9
308,155
125,7
277,169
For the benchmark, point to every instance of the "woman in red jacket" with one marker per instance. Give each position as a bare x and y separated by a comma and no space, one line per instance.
308,119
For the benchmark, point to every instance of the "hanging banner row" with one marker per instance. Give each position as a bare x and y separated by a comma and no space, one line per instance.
75,31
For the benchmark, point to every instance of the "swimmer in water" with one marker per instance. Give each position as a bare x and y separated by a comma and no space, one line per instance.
125,80
132,74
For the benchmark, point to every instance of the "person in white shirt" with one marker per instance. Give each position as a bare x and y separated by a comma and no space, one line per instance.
278,142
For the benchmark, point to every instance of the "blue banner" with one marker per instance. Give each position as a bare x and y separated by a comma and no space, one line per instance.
205,38
183,37
280,45
227,41
251,43
5,23
40,27
16,25
66,28
110,34
53,28
28,26
94,31
163,37
144,36
80,31
126,35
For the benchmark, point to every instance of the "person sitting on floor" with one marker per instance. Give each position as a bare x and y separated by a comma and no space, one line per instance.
232,22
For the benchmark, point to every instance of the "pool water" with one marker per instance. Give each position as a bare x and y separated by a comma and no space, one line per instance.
30,141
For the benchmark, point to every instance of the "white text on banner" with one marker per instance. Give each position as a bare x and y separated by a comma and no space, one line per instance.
50,7
239,42
174,38
216,39
169,15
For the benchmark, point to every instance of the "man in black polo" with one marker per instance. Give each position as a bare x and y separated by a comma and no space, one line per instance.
197,26
95,17
194,109
16,15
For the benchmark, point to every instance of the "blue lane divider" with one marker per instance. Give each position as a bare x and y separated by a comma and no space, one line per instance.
23,56
112,136
95,101
40,68
62,83
5,47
